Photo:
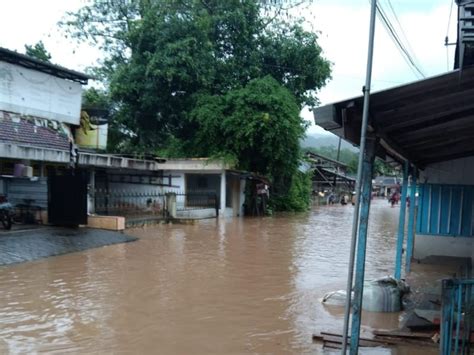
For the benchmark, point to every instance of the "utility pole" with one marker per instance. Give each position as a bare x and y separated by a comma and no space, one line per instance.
355,222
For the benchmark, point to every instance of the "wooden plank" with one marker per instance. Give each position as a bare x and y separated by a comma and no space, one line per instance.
405,334
368,343
404,341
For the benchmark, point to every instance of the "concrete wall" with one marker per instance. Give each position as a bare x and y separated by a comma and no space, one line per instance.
453,172
426,245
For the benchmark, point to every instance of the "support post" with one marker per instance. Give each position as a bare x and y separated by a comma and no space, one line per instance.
365,197
411,221
363,131
91,192
223,191
401,223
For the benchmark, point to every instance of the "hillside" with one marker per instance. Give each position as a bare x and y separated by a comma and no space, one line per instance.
316,140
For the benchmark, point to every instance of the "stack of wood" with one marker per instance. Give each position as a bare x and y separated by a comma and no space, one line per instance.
382,338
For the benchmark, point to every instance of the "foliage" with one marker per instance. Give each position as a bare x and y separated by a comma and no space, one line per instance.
161,54
38,51
206,78
259,125
298,197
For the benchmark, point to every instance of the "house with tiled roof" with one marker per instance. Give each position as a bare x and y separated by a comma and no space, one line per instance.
40,104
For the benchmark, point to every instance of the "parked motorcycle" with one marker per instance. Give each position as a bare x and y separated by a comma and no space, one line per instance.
6,213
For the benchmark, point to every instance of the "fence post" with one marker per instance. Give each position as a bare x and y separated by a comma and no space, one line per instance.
447,310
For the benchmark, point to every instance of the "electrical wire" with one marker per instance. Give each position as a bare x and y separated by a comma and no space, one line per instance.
410,48
396,39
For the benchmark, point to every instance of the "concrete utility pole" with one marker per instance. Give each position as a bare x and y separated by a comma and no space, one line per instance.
355,222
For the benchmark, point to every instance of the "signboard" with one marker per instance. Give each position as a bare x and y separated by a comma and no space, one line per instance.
30,92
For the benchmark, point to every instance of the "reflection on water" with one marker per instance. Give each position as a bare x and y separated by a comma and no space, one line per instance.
215,287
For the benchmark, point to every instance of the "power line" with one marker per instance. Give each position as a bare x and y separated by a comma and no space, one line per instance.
403,32
396,39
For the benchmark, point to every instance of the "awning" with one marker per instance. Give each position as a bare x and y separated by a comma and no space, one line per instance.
424,122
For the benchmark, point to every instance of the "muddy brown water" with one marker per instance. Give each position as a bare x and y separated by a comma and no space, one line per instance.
230,286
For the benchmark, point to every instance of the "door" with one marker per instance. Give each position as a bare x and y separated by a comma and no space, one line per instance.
67,199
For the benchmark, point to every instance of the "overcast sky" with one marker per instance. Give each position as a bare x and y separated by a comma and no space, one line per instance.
344,34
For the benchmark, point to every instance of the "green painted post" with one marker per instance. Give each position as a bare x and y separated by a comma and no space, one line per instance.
401,223
366,194
411,222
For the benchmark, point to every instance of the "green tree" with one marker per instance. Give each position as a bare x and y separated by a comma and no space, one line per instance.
257,126
38,51
206,78
160,54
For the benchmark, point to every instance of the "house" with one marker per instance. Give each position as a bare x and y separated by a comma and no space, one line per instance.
39,105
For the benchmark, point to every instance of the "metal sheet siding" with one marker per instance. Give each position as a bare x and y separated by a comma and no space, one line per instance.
446,210
20,189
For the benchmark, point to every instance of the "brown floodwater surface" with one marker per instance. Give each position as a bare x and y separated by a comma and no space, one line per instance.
229,286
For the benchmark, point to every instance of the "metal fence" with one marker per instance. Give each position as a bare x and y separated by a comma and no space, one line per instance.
457,316
134,202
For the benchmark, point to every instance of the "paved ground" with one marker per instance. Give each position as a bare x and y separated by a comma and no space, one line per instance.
28,245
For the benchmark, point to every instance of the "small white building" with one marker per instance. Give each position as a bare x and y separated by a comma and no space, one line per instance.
203,187
204,176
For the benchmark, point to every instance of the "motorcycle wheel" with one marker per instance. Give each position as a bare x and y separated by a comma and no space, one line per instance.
6,220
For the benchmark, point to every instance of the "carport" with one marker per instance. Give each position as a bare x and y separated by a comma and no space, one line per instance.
428,127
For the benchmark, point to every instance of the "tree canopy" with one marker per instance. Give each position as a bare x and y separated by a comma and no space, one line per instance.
38,51
206,78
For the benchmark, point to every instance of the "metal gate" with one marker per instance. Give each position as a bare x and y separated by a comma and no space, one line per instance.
67,199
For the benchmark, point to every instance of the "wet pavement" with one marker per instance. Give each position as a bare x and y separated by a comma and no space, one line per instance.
229,286
35,243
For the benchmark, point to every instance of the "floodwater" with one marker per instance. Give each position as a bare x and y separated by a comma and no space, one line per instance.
230,286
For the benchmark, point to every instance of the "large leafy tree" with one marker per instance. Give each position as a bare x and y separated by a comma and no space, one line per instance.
182,71
161,55
258,126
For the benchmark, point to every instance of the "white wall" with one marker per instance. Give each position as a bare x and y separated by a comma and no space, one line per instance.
30,92
426,245
456,172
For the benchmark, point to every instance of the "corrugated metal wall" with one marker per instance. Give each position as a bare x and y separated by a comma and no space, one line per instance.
20,189
445,210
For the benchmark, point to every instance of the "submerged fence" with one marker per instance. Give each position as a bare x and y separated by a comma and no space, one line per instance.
457,316
130,202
